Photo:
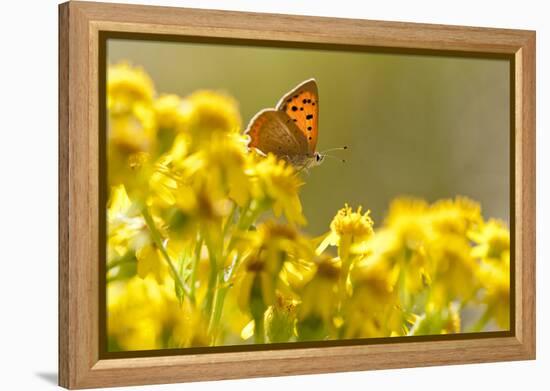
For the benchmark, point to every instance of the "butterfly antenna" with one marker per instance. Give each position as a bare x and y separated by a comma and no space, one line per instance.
335,149
334,157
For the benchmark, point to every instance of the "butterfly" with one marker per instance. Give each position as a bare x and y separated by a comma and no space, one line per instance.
290,130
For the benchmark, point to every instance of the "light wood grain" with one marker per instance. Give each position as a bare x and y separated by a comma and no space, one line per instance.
63,221
80,24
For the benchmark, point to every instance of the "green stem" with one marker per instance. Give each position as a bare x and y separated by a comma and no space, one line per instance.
404,294
217,309
344,275
259,331
218,301
157,239
227,236
248,215
195,267
228,224
217,287
213,277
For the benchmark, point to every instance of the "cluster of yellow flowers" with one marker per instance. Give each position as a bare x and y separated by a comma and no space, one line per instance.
204,244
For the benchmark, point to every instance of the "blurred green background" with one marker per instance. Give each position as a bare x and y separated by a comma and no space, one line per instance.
420,125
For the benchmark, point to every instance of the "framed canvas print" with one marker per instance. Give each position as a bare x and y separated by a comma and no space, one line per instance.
256,195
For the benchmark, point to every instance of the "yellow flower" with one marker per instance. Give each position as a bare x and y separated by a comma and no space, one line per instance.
133,132
171,183
168,112
296,273
208,114
278,182
131,121
410,221
192,260
493,249
495,278
255,284
192,332
492,240
141,313
264,252
225,163
445,320
348,228
320,295
132,169
454,270
353,224
455,216
202,183
127,87
150,261
138,160
280,320
126,228
373,309
388,244
127,231
404,241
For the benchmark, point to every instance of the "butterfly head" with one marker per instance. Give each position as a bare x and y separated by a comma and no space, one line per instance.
318,158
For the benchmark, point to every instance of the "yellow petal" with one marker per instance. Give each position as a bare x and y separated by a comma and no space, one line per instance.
248,330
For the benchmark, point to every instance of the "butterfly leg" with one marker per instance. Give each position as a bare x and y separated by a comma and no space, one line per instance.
304,169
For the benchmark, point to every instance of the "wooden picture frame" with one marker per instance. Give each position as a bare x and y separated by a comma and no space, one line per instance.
80,27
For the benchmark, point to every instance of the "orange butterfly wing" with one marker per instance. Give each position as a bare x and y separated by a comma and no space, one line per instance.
302,106
273,131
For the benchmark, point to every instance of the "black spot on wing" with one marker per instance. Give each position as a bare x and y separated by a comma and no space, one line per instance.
309,116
